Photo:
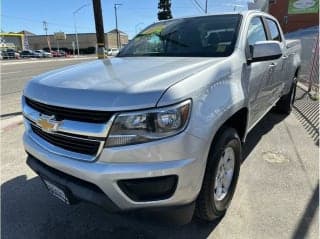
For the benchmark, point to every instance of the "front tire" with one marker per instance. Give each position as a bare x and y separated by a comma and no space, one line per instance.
221,175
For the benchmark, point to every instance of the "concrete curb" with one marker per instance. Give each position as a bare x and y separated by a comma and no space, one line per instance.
11,123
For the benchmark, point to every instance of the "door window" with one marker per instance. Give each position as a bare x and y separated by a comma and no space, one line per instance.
256,31
274,30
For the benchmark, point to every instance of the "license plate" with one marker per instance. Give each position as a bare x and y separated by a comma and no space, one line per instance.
56,191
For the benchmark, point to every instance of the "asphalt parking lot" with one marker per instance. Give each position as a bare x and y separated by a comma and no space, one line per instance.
277,194
15,73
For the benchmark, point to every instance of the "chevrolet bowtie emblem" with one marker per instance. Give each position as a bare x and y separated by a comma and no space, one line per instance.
48,123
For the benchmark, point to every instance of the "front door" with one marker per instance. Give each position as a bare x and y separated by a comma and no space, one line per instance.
259,74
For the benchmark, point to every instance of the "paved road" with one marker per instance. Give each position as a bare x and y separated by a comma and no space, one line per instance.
15,74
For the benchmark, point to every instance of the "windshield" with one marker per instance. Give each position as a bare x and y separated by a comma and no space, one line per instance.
209,36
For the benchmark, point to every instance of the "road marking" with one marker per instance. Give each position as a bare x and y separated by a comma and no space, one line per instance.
12,72
44,61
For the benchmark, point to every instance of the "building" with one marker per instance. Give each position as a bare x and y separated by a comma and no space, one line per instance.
87,41
11,41
111,40
295,14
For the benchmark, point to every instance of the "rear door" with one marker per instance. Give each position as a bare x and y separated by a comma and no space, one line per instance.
278,78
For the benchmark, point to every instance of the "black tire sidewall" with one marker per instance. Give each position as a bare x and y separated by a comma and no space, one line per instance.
209,208
222,205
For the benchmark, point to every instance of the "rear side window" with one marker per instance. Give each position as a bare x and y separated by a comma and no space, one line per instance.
274,30
256,31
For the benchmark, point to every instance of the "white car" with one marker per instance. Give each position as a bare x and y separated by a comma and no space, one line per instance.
112,52
44,53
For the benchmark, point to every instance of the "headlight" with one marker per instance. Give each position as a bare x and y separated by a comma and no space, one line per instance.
146,126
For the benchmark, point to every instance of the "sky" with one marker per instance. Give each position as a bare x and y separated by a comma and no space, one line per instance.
133,15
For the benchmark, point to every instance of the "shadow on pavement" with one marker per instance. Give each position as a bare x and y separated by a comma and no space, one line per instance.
262,128
27,210
309,213
307,112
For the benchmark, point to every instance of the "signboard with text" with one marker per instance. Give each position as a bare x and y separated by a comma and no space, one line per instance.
303,6
60,36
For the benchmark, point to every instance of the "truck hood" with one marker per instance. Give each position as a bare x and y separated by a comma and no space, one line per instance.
116,84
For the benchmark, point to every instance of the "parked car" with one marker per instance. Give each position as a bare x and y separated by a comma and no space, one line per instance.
43,53
62,53
30,54
54,53
162,124
112,52
58,53
10,54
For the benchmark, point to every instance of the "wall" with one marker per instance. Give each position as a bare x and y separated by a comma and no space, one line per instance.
291,22
12,39
85,40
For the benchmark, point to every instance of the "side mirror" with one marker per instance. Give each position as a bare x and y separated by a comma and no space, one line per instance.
265,51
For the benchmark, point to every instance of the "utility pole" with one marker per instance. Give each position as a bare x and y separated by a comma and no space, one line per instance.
99,28
116,16
45,28
206,8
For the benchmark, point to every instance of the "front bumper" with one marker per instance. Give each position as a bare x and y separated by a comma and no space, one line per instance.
105,173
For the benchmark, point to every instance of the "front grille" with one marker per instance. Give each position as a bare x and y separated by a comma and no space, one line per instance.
62,113
77,145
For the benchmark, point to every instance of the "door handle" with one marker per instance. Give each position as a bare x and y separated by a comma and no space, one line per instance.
273,64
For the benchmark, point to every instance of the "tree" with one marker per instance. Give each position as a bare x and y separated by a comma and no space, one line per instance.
164,10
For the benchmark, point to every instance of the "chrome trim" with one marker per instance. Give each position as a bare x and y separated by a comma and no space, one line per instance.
98,132
62,152
159,109
65,135
70,126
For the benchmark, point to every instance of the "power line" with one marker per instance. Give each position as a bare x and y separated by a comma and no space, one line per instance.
198,4
40,21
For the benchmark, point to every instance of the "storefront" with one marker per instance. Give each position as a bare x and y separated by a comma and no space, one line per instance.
295,14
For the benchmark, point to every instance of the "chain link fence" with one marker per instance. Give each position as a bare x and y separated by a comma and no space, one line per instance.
306,105
309,72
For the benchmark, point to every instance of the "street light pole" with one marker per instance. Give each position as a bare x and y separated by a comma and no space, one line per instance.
45,27
116,16
76,33
75,26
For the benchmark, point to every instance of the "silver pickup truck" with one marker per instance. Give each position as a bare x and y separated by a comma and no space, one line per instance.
162,124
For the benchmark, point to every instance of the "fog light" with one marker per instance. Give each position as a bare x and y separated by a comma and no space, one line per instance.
149,189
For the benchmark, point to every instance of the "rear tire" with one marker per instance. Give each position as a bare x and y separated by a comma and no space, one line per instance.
285,103
217,190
